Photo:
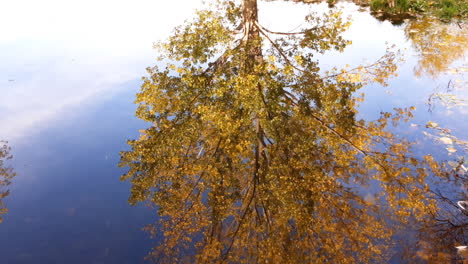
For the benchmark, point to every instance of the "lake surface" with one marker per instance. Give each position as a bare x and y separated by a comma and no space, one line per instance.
67,87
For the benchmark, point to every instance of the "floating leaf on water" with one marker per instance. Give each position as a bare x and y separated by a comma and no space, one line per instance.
451,150
446,140
464,168
431,124
453,164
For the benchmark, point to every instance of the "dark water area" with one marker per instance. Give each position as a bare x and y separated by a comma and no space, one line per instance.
67,204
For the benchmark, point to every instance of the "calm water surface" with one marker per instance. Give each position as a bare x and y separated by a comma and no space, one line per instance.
66,108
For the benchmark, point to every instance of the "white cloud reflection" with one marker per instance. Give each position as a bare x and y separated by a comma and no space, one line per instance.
56,54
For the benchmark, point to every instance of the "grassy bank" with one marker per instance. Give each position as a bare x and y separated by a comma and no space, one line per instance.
444,9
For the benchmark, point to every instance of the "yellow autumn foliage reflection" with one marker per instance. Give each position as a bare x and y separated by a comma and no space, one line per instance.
6,174
438,45
254,156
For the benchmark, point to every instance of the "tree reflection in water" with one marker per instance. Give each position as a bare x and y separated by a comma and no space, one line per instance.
6,174
443,236
438,45
255,156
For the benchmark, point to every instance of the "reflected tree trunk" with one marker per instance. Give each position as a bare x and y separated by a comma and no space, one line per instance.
256,156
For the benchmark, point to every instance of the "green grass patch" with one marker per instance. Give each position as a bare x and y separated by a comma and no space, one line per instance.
378,4
445,9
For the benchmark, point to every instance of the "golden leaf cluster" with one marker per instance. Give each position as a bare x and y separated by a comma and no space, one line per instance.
255,156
